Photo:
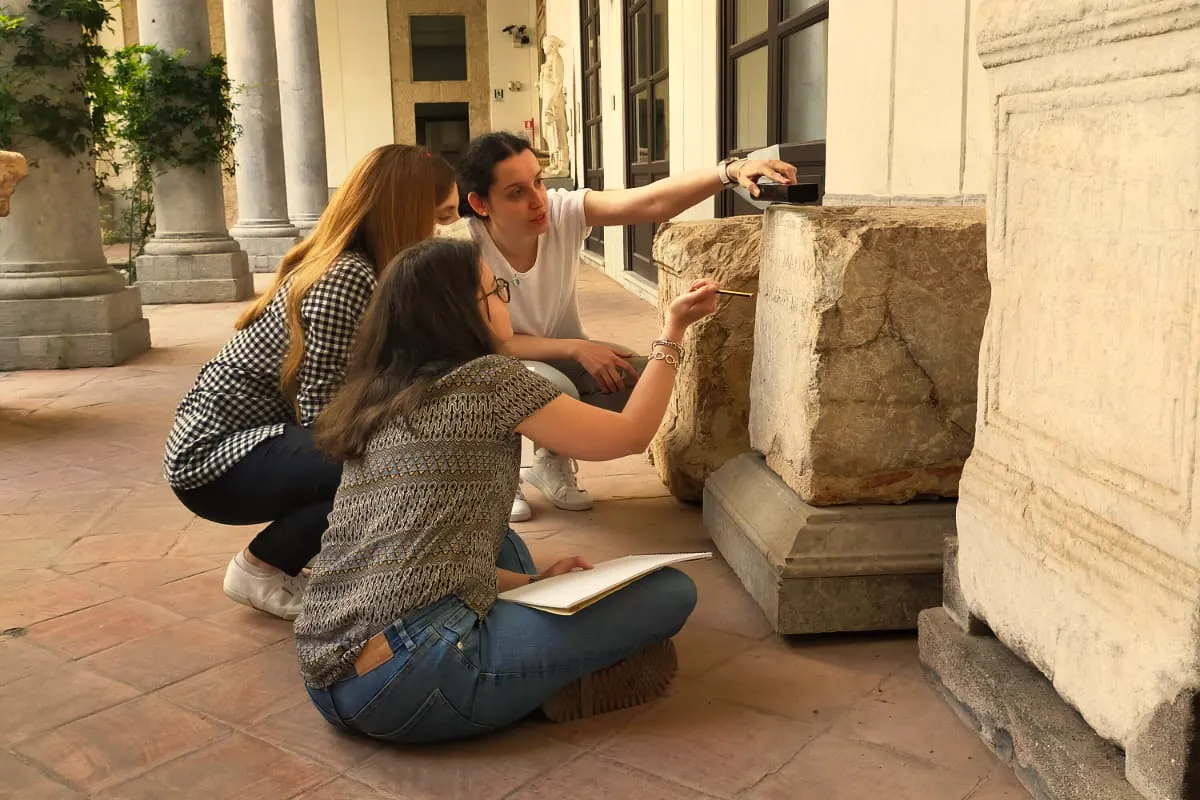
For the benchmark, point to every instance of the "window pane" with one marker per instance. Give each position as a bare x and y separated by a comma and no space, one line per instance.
750,100
661,112
658,36
592,148
439,48
792,8
639,39
805,55
749,18
641,128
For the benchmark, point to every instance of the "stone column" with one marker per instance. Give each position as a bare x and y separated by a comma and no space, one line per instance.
866,339
303,112
61,305
1079,511
191,258
263,228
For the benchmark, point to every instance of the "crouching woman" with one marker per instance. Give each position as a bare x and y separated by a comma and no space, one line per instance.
401,635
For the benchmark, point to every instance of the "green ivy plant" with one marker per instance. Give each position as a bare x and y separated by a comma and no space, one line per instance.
167,114
146,110
34,101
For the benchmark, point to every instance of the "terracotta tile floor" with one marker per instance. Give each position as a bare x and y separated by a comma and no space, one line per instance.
125,673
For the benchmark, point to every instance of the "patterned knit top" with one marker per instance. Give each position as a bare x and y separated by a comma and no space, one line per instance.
421,515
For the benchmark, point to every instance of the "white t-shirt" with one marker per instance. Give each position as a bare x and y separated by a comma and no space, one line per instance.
543,299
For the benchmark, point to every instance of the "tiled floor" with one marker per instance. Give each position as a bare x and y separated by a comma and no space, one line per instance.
125,673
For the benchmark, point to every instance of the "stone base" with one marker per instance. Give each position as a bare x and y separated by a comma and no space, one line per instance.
1018,713
822,570
72,332
561,182
202,278
265,252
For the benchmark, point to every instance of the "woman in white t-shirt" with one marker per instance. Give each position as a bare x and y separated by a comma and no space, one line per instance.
531,238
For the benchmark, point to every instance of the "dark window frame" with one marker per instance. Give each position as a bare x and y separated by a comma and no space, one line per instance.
808,157
593,171
656,84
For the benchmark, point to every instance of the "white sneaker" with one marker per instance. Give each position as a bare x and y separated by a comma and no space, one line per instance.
274,592
520,508
554,476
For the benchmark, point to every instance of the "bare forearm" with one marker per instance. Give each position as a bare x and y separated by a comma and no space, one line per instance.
506,580
676,194
647,403
540,348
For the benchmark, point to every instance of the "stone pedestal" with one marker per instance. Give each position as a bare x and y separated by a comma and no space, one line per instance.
819,570
263,229
707,421
1079,511
302,112
862,392
190,258
867,341
61,305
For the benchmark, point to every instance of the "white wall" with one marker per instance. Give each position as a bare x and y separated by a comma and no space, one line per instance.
908,101
693,49
508,63
356,80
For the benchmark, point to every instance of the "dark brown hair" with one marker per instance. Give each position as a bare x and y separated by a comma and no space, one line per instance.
423,321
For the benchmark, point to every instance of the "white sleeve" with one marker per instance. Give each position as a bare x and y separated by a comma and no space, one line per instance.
567,215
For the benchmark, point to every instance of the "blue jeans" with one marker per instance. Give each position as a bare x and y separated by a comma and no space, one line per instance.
453,675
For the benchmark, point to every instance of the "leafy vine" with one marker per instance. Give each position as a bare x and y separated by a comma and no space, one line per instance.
146,110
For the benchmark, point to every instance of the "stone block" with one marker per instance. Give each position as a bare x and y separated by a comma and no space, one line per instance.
13,170
1013,708
1083,489
707,419
199,278
72,332
821,570
867,344
264,252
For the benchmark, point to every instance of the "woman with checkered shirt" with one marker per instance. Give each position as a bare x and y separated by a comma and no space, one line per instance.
241,450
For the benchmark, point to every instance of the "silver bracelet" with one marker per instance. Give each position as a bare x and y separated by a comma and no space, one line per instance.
676,346
659,355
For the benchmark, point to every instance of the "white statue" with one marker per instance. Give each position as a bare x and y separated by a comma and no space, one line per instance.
554,108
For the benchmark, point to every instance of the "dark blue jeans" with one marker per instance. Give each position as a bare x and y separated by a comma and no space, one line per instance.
454,676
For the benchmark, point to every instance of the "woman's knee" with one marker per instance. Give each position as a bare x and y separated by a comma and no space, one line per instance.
556,377
674,595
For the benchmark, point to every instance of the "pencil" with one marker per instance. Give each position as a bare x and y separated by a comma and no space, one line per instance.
733,293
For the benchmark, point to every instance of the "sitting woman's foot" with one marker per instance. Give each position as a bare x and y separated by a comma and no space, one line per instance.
520,508
638,679
554,476
265,588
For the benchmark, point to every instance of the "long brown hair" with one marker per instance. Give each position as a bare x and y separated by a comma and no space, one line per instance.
385,204
424,320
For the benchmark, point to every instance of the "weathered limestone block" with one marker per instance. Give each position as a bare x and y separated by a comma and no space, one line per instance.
13,170
1079,511
868,330
706,423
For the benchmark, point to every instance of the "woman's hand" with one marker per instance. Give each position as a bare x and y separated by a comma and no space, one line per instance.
563,566
747,173
696,303
605,365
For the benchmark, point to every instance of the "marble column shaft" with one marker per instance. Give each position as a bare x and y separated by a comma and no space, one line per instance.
61,304
191,257
302,111
263,228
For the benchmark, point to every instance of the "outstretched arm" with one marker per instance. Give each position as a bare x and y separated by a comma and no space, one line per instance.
663,199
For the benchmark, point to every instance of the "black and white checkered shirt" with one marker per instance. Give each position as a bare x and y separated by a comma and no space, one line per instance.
237,401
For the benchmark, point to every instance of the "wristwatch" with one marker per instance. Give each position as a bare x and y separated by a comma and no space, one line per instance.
723,170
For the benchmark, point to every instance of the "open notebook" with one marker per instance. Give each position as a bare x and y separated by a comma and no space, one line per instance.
566,594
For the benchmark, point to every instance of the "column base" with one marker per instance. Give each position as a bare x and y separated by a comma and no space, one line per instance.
824,570
72,332
201,278
265,246
1017,712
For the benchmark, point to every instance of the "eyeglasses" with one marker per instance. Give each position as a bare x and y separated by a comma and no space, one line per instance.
502,291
